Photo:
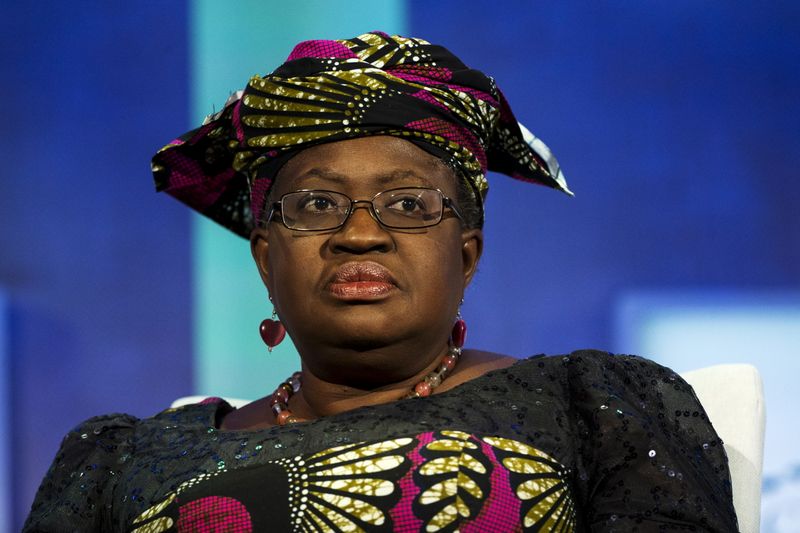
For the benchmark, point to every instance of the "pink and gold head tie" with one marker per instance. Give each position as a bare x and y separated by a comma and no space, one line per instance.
328,91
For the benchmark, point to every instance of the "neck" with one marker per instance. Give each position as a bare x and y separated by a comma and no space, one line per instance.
321,395
368,364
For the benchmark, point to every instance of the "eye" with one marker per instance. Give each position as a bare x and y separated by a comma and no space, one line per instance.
316,202
407,204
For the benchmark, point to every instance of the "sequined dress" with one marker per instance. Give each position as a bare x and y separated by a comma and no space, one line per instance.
588,441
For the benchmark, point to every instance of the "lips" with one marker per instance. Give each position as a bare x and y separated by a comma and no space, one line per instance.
361,280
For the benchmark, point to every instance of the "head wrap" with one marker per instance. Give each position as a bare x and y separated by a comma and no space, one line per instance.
330,91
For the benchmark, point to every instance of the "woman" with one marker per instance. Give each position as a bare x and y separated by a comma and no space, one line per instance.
357,171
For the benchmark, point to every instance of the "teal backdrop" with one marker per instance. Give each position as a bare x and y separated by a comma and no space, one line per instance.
230,43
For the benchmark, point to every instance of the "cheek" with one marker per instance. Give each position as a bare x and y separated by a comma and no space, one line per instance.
293,263
441,266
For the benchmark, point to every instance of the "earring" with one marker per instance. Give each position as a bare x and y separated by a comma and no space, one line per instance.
272,331
459,333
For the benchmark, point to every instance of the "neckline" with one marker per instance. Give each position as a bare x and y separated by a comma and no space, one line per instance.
223,408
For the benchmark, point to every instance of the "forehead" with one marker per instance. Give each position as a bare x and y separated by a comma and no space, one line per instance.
365,165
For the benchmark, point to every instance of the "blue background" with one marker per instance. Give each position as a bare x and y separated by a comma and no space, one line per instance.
676,124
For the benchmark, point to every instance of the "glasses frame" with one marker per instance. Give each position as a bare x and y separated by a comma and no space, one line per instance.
447,203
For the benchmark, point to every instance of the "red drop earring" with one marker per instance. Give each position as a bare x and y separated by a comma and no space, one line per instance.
459,333
272,331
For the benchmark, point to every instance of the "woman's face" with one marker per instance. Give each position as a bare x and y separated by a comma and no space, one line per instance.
364,289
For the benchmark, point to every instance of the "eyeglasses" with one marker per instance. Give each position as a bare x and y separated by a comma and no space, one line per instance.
405,208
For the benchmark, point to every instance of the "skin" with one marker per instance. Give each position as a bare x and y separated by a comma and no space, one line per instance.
374,350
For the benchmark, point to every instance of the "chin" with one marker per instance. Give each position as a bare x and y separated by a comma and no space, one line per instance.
364,327
365,342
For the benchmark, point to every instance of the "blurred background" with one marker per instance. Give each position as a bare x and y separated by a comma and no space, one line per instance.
676,124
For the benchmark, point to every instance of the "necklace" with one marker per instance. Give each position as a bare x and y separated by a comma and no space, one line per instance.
279,401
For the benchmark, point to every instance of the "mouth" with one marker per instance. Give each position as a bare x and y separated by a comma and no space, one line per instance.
361,281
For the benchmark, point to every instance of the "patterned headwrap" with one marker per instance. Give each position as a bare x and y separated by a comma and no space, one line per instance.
330,91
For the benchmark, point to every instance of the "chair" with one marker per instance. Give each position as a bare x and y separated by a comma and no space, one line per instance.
188,400
733,398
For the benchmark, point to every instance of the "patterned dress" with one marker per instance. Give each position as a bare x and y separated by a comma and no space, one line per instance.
588,441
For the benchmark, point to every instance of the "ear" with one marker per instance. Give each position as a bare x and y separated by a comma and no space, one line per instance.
471,250
259,247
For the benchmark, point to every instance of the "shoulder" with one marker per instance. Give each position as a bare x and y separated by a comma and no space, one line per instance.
120,425
81,467
591,359
642,427
91,459
604,369
92,437
632,377
81,439
592,380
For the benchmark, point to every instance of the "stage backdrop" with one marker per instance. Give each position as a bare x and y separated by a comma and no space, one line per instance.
676,125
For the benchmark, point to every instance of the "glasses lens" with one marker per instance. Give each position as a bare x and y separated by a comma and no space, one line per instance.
314,210
409,208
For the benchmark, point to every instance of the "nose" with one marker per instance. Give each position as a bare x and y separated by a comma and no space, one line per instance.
361,232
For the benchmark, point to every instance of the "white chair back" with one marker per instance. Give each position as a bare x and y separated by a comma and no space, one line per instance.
733,397
188,400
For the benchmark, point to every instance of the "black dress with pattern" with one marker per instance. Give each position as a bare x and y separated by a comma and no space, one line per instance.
584,442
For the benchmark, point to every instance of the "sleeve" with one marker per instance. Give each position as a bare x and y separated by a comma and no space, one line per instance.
75,494
652,460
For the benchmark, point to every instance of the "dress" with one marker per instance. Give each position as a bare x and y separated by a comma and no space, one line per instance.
585,442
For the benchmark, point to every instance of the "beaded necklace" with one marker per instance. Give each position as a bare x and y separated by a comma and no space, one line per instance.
279,401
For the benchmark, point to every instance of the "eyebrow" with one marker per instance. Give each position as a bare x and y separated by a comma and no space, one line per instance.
328,174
